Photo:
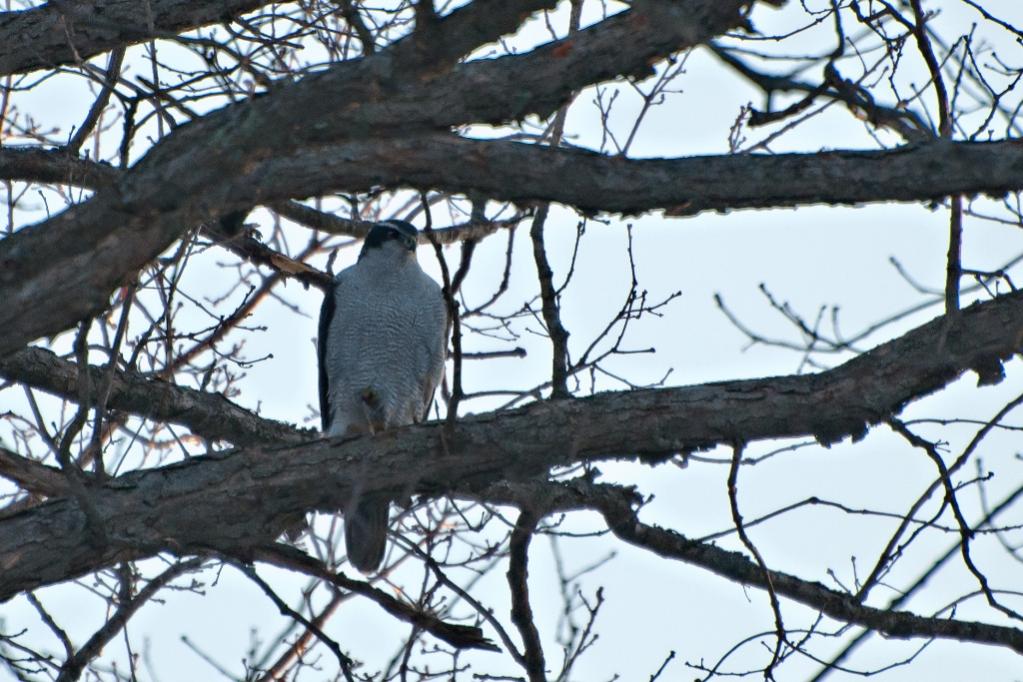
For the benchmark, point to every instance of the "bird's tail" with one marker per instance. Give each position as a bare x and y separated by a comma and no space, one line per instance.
366,532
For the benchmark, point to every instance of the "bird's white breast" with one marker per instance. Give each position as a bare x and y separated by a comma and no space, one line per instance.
387,342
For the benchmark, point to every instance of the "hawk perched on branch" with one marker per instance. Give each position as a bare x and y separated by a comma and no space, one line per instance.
382,345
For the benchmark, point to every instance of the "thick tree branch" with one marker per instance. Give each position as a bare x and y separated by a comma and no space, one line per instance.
525,173
374,127
685,186
395,97
437,44
502,170
32,476
250,491
193,174
209,415
72,31
53,166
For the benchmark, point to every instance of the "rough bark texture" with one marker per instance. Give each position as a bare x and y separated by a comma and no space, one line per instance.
248,492
31,164
683,186
527,173
192,174
393,118
209,414
60,33
505,170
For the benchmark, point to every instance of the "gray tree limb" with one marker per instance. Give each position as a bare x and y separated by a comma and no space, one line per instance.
684,186
31,476
65,32
249,491
503,170
526,173
209,415
191,175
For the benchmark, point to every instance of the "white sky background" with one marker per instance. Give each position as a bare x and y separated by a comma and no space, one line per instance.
808,257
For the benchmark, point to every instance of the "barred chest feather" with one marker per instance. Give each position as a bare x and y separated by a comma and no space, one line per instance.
386,345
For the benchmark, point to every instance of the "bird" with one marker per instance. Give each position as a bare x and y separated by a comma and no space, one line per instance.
381,347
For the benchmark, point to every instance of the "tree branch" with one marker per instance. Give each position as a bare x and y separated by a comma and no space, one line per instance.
458,636
251,492
209,415
502,170
617,505
328,222
72,31
73,667
518,585
194,172
519,172
838,605
54,166
30,475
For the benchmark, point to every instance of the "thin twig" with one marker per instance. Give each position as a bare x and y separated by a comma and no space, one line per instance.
344,661
733,500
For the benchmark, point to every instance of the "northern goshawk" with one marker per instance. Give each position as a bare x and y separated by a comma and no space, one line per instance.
382,346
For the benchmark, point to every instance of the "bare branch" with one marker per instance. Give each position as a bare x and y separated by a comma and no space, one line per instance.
70,32
210,415
522,611
198,166
72,668
251,493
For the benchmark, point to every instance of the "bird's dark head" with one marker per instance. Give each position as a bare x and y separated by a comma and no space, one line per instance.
390,234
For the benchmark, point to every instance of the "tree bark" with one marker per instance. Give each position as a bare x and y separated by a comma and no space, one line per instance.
210,415
192,175
113,249
62,33
233,501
